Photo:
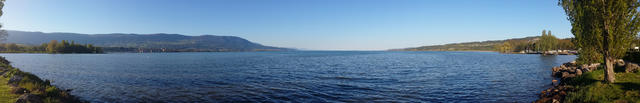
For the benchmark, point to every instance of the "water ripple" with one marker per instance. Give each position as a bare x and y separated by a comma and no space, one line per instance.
296,76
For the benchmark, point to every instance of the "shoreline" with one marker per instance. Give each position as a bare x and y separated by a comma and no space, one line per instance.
561,74
583,83
24,87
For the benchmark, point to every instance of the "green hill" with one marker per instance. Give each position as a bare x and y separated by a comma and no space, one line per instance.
467,46
156,42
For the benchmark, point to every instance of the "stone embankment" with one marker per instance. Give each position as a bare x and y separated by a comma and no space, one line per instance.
570,70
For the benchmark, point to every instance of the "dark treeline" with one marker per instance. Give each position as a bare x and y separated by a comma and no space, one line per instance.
52,47
65,47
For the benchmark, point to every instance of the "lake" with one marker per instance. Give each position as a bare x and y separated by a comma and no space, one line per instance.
303,76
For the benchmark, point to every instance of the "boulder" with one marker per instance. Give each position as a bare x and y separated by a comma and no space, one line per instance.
572,71
569,64
584,66
18,90
619,63
29,98
631,67
543,93
578,72
558,68
565,74
557,74
595,65
15,79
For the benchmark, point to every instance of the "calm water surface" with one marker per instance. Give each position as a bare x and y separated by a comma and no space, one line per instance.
296,76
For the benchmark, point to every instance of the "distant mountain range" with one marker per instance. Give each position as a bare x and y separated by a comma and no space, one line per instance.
466,46
134,42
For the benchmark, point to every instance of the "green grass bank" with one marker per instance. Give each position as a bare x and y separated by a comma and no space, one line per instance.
22,87
589,88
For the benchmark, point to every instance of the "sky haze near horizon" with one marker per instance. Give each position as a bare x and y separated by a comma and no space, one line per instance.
301,24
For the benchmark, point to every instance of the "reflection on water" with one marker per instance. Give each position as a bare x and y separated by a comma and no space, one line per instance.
296,76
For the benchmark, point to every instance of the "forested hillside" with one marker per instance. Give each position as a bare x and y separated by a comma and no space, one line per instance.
128,42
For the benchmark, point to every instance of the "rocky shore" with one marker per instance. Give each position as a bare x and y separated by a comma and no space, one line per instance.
25,87
570,70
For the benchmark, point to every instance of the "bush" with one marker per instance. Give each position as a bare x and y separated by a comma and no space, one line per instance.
52,91
4,61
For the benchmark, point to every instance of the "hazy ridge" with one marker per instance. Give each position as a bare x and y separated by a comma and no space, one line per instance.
174,42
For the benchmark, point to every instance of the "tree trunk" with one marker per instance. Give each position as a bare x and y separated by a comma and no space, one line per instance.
609,75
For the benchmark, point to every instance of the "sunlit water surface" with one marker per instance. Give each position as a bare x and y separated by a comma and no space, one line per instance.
322,76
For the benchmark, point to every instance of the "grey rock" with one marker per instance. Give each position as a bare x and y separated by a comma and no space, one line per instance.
18,90
620,63
555,69
29,98
631,67
578,72
573,62
565,74
572,71
584,66
593,66
15,79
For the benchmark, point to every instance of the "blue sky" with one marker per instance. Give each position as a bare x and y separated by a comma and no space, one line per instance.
303,24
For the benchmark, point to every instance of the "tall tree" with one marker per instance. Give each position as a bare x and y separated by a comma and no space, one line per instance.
52,46
3,33
552,41
505,47
540,43
603,27
546,42
11,47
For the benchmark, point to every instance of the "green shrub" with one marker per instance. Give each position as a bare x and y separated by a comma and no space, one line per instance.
52,91
51,100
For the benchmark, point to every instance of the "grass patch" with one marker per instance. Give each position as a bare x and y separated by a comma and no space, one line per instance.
5,95
591,89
